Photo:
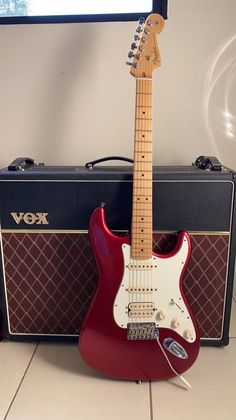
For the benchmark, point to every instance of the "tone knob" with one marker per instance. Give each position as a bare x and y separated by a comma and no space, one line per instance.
160,315
188,334
174,323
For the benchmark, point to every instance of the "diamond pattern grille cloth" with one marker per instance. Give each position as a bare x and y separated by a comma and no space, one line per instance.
51,278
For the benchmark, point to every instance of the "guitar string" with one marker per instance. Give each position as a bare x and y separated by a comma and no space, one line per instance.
141,278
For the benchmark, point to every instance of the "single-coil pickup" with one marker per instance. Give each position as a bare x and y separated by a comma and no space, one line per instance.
141,309
141,266
141,289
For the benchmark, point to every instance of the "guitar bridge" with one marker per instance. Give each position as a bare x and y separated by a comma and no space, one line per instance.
141,331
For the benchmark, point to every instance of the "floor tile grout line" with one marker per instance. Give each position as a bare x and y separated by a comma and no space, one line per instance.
21,381
150,401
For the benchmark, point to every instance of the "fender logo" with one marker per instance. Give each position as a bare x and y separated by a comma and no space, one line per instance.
31,218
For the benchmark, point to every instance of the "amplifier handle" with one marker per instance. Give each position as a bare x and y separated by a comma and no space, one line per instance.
210,163
90,165
20,163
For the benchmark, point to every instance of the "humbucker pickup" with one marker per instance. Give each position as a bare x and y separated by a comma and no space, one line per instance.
141,309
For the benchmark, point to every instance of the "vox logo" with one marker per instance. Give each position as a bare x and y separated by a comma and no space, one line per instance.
30,218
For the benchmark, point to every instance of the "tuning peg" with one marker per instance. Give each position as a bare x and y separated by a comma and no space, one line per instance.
133,46
139,29
141,21
136,38
131,55
128,63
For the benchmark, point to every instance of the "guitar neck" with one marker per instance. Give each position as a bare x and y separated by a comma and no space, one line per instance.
141,230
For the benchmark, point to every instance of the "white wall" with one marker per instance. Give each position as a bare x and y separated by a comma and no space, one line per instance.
66,95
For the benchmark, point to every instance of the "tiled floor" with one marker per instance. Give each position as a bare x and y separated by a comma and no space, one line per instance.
41,381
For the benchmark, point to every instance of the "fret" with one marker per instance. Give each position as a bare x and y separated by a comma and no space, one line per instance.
143,214
142,195
140,248
140,152
148,131
143,117
143,141
143,209
136,221
146,153
136,187
143,161
143,93
143,224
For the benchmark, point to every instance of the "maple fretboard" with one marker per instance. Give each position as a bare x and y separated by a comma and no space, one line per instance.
141,231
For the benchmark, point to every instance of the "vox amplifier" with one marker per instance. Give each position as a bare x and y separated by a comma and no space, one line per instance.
48,272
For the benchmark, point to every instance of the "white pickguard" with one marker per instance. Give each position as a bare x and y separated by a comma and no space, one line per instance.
157,287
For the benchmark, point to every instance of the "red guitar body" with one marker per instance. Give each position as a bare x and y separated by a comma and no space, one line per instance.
103,343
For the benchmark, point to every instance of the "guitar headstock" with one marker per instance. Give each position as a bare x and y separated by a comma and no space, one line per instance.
145,52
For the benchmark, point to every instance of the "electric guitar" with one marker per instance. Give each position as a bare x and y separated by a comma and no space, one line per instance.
139,325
